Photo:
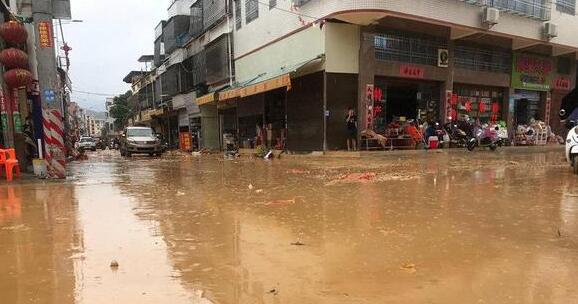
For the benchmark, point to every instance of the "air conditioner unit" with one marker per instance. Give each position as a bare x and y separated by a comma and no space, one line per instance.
491,16
550,30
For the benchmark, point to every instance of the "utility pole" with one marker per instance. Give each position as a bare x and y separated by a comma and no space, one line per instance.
52,103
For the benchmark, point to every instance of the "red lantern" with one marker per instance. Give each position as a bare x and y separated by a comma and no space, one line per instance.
454,99
14,58
14,32
495,108
468,106
17,78
482,107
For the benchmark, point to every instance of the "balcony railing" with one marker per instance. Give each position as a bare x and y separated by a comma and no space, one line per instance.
538,9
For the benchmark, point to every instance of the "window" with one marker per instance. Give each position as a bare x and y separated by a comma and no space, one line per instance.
566,6
272,4
539,9
564,65
476,58
251,10
410,48
238,17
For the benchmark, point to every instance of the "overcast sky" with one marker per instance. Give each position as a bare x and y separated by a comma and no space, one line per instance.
107,45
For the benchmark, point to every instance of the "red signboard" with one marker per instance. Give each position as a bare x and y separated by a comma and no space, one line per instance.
185,141
411,71
533,65
45,34
561,83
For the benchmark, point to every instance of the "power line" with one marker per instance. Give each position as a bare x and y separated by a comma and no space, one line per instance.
94,93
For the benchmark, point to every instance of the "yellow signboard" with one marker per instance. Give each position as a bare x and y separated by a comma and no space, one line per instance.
268,85
206,99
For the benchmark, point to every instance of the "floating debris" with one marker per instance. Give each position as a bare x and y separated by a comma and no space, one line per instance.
114,264
408,267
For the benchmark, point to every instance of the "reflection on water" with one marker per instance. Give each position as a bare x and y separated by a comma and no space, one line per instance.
432,228
38,234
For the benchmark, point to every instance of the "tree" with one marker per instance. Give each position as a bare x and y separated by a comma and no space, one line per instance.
121,111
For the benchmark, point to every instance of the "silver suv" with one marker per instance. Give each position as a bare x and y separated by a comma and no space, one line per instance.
86,143
140,140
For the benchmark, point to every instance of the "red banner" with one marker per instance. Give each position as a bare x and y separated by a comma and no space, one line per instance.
369,91
185,141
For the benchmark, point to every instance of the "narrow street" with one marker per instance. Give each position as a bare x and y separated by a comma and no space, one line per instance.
439,228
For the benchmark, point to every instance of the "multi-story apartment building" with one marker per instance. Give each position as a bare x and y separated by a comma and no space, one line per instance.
192,58
299,65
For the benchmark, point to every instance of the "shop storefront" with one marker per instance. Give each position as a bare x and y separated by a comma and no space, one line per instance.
531,102
400,100
195,126
250,115
480,103
531,78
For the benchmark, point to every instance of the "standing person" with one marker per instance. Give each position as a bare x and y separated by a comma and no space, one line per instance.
351,122
270,136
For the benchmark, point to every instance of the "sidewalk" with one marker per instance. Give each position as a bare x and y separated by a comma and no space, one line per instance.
453,151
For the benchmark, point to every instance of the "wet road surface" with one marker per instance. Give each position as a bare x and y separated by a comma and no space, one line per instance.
424,228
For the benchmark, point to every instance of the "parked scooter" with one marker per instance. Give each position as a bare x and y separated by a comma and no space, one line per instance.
486,136
458,137
572,146
569,115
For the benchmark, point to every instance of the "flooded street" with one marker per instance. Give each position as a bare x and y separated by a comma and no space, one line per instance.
418,228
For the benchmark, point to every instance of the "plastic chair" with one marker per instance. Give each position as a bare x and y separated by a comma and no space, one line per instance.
11,163
2,160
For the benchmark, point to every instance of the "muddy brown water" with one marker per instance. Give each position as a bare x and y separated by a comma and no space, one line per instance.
425,228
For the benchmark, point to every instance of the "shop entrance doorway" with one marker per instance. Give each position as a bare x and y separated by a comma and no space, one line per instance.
402,102
404,99
527,106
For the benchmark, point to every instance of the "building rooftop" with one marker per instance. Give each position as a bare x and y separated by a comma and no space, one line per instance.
132,75
146,58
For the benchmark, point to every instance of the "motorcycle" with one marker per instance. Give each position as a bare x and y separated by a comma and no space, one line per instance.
572,146
486,136
458,136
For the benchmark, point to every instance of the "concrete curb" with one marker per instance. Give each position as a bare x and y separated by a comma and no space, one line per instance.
456,151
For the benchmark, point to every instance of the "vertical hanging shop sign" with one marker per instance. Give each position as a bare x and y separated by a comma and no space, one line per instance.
3,112
16,111
369,90
45,34
448,105
548,108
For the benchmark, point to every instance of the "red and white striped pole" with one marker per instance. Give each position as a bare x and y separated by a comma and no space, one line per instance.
55,155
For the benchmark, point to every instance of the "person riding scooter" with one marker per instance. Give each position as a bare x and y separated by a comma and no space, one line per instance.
569,116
